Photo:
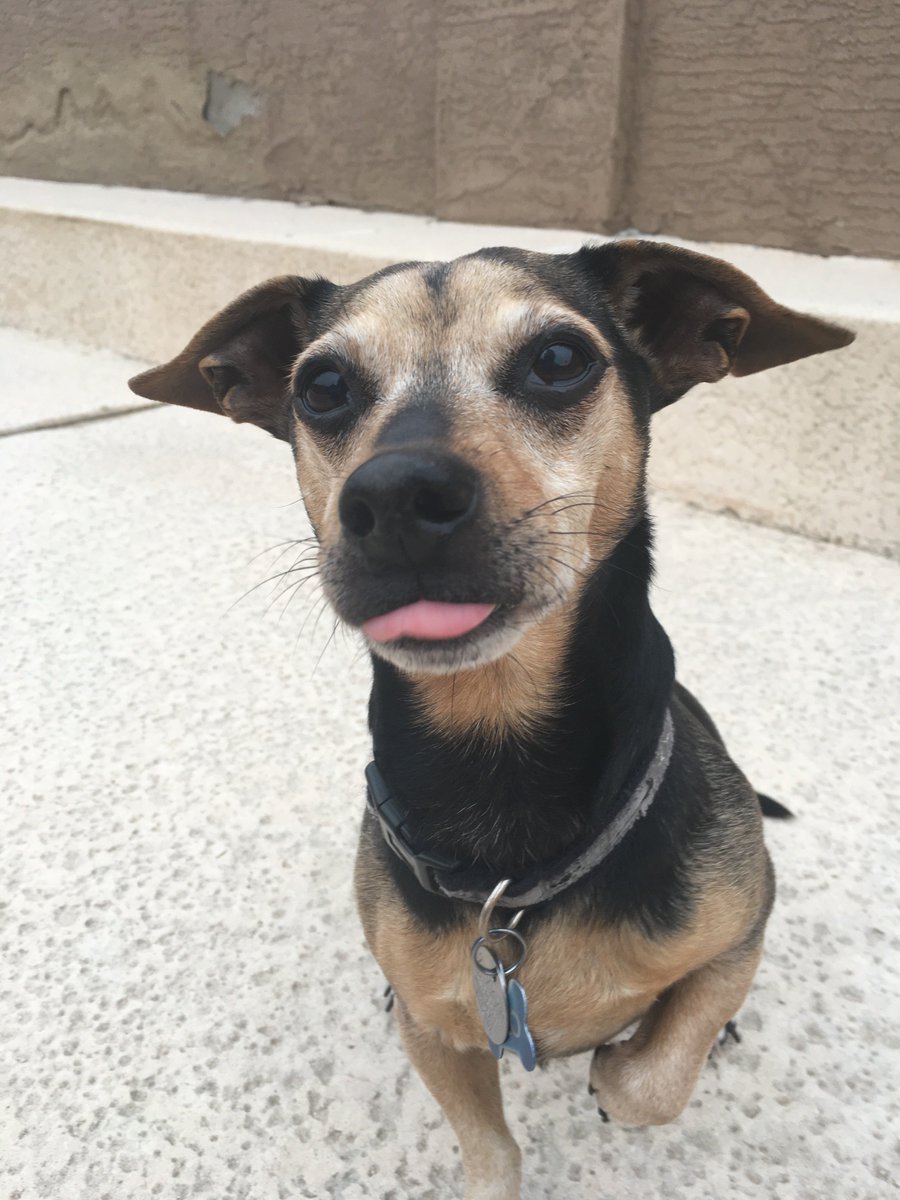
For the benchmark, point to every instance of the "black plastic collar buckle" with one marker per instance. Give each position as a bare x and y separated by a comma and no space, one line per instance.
391,817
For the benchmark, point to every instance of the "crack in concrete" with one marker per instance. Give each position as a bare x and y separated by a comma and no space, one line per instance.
77,419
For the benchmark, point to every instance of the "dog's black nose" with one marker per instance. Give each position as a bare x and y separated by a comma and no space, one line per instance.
402,506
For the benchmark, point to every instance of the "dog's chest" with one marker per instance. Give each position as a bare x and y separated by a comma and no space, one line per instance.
583,985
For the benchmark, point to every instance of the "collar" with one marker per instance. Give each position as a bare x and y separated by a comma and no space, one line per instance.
460,881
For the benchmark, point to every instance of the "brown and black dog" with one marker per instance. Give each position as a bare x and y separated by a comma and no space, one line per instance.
471,441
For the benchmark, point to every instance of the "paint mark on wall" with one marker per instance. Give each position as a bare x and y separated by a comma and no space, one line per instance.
228,102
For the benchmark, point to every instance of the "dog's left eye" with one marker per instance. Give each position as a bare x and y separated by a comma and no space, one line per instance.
560,365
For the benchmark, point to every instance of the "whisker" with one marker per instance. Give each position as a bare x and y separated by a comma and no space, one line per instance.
337,621
263,582
601,562
319,617
287,542
290,590
364,649
321,604
289,503
545,503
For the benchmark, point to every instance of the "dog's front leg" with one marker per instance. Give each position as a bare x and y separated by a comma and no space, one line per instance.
466,1084
648,1080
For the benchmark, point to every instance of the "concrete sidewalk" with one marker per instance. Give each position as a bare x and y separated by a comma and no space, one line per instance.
186,1004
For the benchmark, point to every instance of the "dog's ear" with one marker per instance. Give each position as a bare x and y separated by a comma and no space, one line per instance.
238,363
696,318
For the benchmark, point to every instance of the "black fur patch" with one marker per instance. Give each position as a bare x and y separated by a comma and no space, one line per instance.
773,808
424,420
505,807
436,276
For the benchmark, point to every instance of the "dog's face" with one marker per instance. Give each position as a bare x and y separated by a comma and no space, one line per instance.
464,437
471,437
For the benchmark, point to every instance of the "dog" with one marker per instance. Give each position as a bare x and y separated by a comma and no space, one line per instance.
471,442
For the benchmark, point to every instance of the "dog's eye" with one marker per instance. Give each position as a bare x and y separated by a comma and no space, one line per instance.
324,391
559,365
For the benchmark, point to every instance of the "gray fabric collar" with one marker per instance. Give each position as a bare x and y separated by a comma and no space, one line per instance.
454,881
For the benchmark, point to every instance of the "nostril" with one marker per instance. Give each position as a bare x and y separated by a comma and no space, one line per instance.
357,518
441,507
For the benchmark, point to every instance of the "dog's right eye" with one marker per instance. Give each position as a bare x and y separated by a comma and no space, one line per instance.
323,390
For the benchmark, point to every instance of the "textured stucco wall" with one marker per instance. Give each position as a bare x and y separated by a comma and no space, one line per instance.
527,110
114,91
769,121
751,121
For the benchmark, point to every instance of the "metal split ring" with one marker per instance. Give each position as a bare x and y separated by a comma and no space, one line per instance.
487,911
496,935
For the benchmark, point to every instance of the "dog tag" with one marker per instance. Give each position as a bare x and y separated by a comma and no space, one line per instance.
519,1038
490,993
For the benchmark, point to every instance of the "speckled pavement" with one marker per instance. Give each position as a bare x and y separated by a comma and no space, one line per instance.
186,1004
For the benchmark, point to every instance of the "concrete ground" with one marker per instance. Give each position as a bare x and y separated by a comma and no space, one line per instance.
186,1005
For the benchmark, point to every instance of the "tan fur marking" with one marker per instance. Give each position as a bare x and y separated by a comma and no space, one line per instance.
467,1087
615,460
649,1079
513,694
585,982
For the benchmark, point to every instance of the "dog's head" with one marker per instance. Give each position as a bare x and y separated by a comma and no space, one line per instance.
471,437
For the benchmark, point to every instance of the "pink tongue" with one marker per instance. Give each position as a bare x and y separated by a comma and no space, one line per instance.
429,620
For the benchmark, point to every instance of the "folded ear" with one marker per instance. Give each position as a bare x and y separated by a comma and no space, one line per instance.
696,318
238,363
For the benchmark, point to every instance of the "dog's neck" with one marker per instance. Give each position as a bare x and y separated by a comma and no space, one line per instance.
508,798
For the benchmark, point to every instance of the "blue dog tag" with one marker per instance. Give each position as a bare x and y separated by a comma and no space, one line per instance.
502,1002
519,1038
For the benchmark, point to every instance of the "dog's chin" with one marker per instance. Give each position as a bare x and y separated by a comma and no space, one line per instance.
498,636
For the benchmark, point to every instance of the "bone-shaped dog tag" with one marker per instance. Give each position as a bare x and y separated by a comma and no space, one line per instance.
519,1039
490,992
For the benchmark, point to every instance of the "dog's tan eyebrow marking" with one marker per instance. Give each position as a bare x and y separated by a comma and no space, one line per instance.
501,304
523,321
394,302
437,332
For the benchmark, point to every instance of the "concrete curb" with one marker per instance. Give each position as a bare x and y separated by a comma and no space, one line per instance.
811,447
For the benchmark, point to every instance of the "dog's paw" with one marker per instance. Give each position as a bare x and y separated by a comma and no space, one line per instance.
602,1113
730,1031
629,1088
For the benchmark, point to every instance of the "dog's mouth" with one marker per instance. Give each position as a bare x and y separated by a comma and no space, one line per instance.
438,637
465,611
427,621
